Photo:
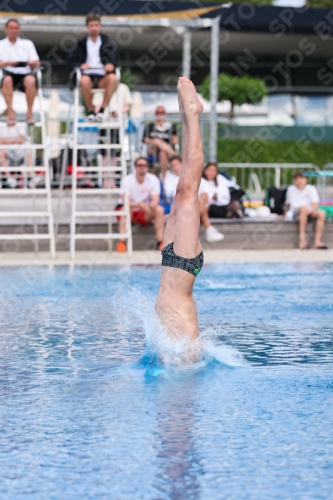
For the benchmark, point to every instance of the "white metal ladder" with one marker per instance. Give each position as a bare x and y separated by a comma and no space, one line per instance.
100,171
34,192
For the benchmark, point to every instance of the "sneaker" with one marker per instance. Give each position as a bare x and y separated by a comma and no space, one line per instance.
160,245
121,246
100,117
91,117
212,235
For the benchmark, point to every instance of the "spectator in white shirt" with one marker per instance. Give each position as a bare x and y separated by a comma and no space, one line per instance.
18,57
221,206
14,157
302,202
144,191
96,56
170,187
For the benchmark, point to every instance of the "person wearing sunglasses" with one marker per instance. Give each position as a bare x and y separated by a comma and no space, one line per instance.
161,139
144,190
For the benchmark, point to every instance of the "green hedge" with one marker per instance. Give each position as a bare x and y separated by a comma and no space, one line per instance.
256,151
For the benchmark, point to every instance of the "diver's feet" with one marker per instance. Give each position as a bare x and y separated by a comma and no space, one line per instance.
189,103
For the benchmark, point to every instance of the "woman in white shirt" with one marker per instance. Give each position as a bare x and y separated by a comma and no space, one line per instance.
220,204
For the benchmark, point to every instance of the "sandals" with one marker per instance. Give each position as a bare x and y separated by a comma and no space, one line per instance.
31,120
321,247
11,122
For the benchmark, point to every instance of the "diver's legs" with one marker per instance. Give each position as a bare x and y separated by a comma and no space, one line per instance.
184,220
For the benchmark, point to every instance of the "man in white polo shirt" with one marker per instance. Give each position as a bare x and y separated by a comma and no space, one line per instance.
302,202
17,58
96,56
144,195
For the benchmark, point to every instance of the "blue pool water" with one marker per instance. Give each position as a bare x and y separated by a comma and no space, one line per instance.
82,418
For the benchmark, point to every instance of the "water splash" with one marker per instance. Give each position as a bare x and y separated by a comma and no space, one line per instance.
136,310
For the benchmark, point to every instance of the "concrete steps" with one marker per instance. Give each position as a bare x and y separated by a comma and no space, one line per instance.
247,234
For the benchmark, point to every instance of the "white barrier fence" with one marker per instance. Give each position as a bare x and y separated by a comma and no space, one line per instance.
255,178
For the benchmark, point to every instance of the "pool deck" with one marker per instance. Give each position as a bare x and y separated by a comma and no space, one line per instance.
153,257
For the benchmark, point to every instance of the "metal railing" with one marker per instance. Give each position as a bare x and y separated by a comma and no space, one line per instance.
324,180
255,178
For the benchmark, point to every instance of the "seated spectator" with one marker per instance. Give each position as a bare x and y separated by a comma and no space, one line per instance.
18,57
160,137
302,202
13,157
96,56
221,204
143,189
170,187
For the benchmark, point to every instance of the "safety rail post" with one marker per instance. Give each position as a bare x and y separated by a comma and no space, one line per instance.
277,177
214,72
77,73
46,163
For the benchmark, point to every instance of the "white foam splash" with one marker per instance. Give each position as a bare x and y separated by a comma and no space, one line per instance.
136,309
209,284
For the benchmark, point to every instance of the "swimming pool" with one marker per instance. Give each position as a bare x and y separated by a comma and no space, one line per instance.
81,418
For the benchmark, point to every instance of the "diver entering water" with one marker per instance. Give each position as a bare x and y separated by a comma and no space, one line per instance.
182,256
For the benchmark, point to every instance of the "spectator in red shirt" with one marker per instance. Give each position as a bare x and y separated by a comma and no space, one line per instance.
144,190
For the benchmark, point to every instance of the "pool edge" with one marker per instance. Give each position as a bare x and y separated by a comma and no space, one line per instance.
154,257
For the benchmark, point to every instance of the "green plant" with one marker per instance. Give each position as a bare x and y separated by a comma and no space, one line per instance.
257,151
320,3
236,90
127,78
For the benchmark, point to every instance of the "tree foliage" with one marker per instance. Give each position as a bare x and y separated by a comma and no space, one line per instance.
320,3
237,90
317,153
127,78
